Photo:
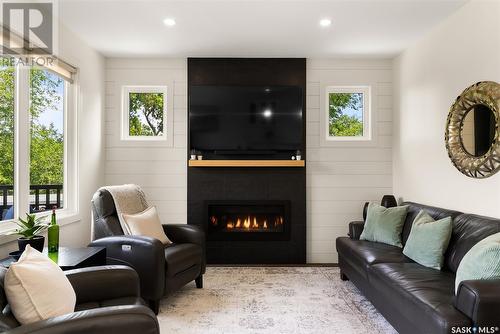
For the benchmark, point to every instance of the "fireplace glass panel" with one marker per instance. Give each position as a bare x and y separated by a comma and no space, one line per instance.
247,218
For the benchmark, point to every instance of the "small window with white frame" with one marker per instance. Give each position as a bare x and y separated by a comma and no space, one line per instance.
144,113
347,113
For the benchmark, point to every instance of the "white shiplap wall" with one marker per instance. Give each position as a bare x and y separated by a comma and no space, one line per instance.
160,169
339,179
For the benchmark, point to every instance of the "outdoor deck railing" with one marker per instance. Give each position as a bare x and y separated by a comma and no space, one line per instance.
45,196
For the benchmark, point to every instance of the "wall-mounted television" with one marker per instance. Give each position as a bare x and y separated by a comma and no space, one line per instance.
245,119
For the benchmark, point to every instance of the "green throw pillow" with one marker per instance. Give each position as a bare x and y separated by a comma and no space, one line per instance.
384,224
428,240
482,261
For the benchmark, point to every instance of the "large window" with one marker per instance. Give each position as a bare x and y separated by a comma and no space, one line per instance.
347,113
144,113
33,141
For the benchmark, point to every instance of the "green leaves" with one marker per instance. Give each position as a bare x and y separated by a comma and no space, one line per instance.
7,125
340,123
30,227
46,155
146,114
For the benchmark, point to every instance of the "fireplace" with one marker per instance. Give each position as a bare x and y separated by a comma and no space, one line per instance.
248,220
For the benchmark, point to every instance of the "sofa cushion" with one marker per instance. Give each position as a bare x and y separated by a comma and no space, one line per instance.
146,223
424,296
482,261
180,257
360,254
37,288
384,224
434,212
428,240
467,231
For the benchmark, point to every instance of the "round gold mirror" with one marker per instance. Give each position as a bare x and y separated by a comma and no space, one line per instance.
473,130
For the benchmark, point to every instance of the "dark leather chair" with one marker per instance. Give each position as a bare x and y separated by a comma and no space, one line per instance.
417,299
107,301
162,270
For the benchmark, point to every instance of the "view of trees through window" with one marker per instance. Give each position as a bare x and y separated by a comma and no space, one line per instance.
46,140
345,117
146,114
6,141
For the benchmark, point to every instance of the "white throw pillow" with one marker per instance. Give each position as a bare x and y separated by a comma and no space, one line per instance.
37,289
146,223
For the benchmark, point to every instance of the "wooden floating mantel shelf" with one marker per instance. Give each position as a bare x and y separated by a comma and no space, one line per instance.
246,163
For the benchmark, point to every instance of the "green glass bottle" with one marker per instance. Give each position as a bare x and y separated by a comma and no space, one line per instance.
53,233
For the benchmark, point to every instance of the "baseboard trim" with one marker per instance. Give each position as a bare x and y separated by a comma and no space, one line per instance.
276,265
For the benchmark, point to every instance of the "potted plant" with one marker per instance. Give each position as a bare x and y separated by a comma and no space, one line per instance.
29,231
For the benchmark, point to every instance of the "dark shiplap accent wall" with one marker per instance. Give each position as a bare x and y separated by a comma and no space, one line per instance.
250,183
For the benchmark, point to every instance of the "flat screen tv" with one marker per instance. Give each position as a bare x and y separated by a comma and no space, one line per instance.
239,119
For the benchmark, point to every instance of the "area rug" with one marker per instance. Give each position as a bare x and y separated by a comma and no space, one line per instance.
270,300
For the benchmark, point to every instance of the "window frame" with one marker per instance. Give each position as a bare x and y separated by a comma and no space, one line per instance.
367,115
166,137
22,136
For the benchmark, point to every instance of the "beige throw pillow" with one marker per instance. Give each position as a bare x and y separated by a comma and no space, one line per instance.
37,289
146,223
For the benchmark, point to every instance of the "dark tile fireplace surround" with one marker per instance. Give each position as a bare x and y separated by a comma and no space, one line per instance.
251,215
255,193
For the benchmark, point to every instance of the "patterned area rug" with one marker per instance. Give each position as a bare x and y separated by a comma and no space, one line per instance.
271,300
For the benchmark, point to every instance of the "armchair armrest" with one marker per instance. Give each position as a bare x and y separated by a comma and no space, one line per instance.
144,254
355,229
184,233
480,301
105,282
105,320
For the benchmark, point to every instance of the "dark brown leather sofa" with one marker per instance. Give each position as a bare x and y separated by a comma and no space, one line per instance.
162,270
107,301
416,299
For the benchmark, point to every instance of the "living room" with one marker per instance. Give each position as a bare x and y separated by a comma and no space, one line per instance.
250,166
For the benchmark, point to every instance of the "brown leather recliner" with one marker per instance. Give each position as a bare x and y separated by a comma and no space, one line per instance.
107,301
162,269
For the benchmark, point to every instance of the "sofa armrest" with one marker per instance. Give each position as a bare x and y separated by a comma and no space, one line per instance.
355,229
480,301
104,282
144,254
116,319
184,233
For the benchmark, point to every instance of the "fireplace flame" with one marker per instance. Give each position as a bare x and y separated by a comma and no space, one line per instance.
248,223
213,220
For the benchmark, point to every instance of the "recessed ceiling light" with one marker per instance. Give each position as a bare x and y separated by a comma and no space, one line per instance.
169,22
325,22
267,113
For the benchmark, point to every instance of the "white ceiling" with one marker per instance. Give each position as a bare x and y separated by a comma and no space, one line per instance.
363,28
